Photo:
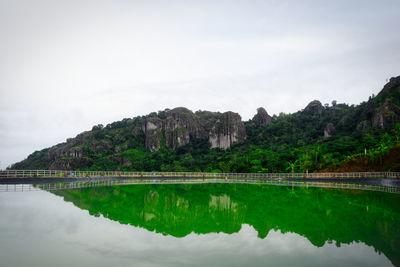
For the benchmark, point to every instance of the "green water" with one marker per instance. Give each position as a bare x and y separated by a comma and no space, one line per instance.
200,225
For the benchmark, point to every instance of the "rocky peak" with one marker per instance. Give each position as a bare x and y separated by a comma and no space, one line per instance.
384,109
314,107
228,129
262,118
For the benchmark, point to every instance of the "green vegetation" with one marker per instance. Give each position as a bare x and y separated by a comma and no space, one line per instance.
320,215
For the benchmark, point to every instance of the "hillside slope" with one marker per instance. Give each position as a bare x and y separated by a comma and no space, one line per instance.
312,139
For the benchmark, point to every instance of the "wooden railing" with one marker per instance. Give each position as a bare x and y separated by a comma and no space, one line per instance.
185,175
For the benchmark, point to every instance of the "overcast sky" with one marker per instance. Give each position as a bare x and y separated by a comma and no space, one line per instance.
68,65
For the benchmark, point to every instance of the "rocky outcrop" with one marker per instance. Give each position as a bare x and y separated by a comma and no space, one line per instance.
152,128
393,84
180,126
69,163
314,108
67,156
207,119
385,116
329,130
262,118
228,129
65,151
384,109
75,153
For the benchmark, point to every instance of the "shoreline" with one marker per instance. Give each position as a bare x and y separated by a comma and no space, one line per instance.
52,180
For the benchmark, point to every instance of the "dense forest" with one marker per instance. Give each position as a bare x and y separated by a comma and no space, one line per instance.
317,138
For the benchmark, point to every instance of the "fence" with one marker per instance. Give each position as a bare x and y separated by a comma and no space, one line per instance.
184,175
277,182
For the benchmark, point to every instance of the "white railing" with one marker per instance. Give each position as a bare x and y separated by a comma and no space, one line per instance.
277,182
187,175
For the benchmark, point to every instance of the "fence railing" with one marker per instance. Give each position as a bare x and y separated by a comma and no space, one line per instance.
183,175
277,182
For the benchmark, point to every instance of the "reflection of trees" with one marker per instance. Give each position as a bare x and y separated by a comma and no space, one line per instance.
318,214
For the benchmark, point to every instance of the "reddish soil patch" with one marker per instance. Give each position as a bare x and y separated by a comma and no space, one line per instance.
390,162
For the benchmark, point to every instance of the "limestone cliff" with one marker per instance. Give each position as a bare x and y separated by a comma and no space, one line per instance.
69,154
228,130
386,116
152,128
180,126
176,129
262,118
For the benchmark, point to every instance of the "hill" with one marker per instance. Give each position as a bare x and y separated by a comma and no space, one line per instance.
315,138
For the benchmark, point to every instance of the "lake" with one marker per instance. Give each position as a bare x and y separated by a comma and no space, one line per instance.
199,225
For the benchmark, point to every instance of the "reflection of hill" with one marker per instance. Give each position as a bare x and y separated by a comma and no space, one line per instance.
318,214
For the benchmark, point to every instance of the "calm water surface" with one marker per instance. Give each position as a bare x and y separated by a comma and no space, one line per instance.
199,225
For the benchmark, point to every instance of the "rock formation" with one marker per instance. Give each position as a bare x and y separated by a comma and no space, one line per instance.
152,128
180,126
329,130
386,116
262,118
392,85
383,111
314,107
228,129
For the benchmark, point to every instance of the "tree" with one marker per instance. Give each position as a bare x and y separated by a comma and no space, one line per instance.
97,127
292,165
256,166
384,146
386,142
305,162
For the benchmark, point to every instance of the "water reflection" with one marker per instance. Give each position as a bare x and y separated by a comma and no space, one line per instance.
323,216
